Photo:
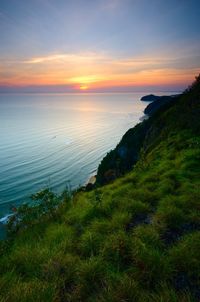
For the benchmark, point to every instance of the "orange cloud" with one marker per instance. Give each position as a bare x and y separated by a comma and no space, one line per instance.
94,70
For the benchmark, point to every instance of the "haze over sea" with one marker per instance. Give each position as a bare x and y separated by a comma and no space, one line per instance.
51,139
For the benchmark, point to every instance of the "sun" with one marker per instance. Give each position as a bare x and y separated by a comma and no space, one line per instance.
83,87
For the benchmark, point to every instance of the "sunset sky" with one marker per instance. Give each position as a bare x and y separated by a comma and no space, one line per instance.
98,45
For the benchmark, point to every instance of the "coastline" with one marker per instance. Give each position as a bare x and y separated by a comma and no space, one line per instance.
89,185
91,180
144,117
3,233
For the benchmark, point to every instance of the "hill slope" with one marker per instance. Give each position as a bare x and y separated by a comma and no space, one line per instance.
136,239
174,115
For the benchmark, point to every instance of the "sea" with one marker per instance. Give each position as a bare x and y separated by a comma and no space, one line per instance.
58,140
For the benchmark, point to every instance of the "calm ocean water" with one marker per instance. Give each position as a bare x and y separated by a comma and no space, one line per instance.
50,139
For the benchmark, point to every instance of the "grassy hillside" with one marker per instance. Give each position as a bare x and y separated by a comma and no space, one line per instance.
136,239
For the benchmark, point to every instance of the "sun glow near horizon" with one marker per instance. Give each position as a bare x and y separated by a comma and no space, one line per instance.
84,87
103,45
93,71
84,82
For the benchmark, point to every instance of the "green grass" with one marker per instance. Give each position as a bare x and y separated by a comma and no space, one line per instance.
136,239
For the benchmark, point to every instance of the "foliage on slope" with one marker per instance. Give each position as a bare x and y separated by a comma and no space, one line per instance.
137,239
181,112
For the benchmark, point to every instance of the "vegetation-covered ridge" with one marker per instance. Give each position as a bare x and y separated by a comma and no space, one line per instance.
136,239
167,114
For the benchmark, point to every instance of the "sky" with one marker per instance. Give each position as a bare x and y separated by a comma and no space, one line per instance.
98,45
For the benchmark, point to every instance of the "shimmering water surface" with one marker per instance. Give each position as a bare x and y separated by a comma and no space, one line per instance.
48,140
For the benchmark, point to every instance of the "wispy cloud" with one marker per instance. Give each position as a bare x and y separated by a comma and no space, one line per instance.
96,70
65,57
37,60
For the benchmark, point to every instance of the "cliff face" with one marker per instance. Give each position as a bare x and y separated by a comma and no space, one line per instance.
167,115
124,156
